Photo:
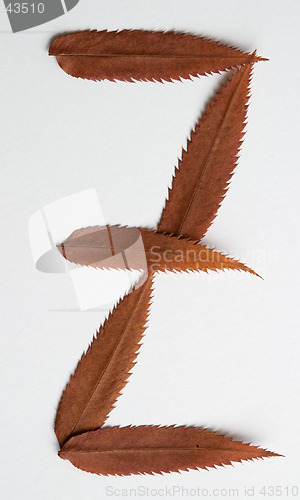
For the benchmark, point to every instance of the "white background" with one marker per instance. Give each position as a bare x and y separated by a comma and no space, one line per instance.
221,350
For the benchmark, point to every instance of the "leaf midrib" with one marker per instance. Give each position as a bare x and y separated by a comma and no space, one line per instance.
163,56
109,360
143,450
203,171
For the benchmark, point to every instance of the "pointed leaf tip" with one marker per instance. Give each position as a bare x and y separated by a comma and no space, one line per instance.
260,59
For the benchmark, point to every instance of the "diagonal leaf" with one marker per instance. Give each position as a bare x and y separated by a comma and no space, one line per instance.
153,449
201,180
93,247
104,369
143,55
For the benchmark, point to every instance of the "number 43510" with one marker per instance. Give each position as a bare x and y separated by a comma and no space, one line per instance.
25,8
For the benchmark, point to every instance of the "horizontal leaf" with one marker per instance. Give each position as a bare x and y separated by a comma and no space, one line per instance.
153,449
103,370
143,55
201,181
99,247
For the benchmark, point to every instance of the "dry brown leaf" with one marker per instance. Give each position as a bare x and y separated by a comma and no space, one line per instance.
153,449
104,369
143,55
201,180
98,247
170,253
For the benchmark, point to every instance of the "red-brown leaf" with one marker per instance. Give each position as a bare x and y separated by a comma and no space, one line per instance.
153,449
104,369
92,247
201,180
143,55
170,253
